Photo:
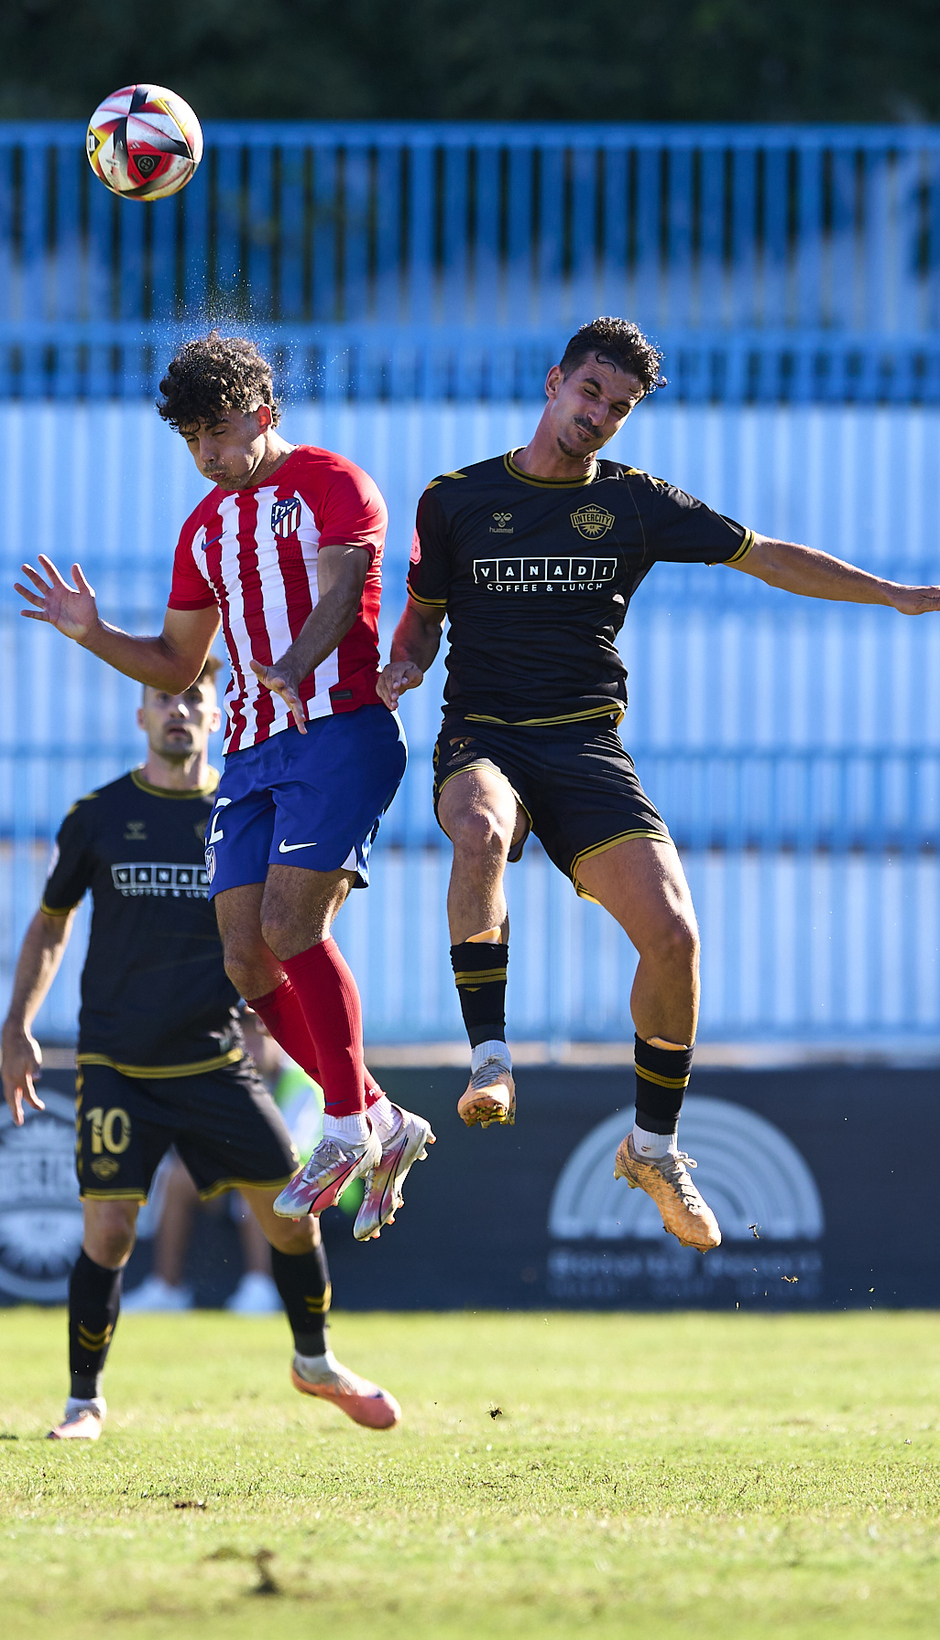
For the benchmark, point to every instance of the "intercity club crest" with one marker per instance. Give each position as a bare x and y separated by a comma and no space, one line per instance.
285,516
592,521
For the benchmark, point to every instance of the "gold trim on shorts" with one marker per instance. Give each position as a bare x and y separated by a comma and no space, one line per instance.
515,849
616,712
112,1196
221,1185
602,848
160,1073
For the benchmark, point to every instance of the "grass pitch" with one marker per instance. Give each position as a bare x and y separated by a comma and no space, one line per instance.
689,1475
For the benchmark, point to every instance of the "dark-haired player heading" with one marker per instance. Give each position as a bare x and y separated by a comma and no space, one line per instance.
285,552
161,1059
533,558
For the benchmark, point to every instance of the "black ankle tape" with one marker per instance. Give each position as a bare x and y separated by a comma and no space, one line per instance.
480,972
662,1076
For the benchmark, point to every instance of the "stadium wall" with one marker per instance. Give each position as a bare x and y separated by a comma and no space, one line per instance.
794,748
552,1227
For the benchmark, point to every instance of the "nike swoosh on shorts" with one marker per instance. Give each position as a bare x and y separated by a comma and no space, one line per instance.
288,848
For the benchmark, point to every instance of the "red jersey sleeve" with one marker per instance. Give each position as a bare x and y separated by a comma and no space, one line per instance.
190,588
350,511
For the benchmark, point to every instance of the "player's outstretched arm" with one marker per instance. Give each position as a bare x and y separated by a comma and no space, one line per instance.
415,644
341,576
171,661
40,955
814,574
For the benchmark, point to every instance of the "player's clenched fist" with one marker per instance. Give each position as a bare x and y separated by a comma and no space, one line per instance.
71,609
395,679
916,600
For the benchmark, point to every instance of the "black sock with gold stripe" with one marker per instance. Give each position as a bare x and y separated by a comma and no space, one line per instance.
94,1303
303,1281
662,1076
480,971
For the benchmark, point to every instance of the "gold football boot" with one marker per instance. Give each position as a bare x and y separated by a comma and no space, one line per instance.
490,1096
686,1215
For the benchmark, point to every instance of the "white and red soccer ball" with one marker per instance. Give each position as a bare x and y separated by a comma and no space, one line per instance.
144,142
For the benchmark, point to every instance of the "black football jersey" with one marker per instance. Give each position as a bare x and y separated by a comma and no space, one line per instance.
536,575
155,995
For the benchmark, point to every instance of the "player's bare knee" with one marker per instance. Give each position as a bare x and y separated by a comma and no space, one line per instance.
675,944
250,965
285,933
109,1234
294,1236
480,834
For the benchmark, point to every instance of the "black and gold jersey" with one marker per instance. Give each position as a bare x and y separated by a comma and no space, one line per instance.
155,995
536,575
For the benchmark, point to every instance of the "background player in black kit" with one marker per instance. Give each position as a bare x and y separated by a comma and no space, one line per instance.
533,558
161,1059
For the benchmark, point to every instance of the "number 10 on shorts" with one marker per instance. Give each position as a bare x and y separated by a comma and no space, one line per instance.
110,1130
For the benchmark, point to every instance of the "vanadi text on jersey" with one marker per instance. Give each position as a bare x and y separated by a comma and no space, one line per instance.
159,879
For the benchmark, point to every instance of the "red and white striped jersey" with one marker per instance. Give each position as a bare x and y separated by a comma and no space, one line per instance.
253,552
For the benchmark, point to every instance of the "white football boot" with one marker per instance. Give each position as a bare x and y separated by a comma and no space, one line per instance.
383,1192
330,1170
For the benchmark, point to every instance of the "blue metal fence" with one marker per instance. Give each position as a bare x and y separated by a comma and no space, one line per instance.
757,720
450,261
793,746
413,283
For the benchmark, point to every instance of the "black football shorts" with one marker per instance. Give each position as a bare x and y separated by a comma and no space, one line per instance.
226,1128
576,784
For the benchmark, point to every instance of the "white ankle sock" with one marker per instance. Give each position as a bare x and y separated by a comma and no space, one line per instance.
489,1050
94,1403
316,1368
385,1118
653,1146
355,1128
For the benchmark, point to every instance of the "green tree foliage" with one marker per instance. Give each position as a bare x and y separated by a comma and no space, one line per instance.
865,60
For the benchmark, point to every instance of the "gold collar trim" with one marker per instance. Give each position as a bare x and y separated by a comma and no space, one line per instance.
547,483
163,791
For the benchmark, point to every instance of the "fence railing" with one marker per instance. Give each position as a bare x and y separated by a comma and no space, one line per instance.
880,799
814,945
793,746
756,719
773,262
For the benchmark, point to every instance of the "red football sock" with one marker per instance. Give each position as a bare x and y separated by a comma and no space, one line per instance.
283,1017
324,986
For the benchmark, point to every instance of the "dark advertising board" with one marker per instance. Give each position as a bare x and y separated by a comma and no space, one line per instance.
817,1207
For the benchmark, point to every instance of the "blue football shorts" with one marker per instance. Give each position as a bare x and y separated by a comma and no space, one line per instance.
312,800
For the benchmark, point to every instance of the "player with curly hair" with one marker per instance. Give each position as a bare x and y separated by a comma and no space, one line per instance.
533,558
285,554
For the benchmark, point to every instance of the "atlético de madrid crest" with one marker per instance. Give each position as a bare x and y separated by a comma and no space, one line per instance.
592,521
285,516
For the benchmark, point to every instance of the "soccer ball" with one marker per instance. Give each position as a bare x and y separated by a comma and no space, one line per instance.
144,142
